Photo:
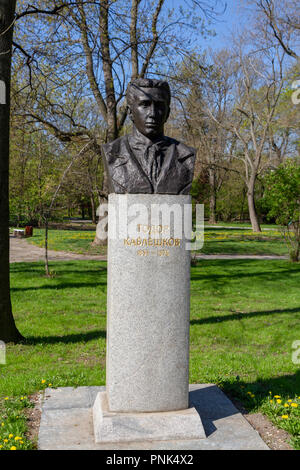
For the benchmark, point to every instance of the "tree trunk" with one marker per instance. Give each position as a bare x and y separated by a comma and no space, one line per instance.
82,211
251,205
111,105
97,241
212,197
242,214
8,330
93,209
46,247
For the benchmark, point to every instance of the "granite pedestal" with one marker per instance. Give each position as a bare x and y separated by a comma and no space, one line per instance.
148,298
147,305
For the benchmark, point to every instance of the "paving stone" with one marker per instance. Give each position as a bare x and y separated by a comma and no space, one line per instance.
66,424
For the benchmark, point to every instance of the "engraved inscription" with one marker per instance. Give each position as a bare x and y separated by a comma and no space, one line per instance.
156,242
153,252
145,244
153,228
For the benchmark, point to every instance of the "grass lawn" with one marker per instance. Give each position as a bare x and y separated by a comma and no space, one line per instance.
76,241
217,240
245,315
243,242
241,225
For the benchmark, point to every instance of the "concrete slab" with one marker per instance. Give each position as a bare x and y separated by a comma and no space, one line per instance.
159,426
67,423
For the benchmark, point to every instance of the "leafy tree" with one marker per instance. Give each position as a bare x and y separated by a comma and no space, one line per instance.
282,198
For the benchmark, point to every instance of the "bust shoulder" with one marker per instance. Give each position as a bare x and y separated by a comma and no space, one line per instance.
113,149
183,150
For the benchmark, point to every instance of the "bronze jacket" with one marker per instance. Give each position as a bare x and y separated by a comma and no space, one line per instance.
126,165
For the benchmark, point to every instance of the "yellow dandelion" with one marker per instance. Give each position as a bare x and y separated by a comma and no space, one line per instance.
290,401
271,401
10,436
2,424
286,405
43,381
276,396
6,398
49,385
18,438
21,442
284,416
278,401
5,440
13,448
294,405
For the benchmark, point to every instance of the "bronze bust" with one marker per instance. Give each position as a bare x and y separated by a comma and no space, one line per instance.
146,161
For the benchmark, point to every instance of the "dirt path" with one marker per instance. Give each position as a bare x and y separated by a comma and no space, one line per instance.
22,251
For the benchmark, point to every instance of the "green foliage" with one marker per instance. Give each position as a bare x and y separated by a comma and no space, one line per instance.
35,167
13,425
232,199
282,193
282,199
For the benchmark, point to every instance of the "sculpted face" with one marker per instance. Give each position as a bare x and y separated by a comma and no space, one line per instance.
149,110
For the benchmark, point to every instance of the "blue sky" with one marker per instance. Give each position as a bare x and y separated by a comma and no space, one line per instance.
227,23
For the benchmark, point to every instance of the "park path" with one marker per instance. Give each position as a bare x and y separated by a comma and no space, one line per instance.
22,251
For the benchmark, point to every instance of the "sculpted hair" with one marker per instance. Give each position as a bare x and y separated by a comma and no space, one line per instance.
147,83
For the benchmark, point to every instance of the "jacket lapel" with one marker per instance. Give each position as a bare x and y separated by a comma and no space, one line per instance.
174,169
127,168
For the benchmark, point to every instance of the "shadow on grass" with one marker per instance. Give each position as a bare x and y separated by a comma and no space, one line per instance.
60,267
242,316
241,269
287,386
67,285
67,339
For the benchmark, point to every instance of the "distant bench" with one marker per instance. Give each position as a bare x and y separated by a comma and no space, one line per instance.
23,233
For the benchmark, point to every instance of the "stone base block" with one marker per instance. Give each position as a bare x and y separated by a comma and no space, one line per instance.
158,426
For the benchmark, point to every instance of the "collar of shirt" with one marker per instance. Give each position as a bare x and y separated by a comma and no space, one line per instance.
140,143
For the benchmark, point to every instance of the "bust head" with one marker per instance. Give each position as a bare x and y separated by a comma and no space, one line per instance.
149,106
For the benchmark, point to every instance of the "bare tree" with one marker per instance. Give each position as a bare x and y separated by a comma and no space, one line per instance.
91,50
101,46
8,330
206,83
280,21
53,199
259,85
